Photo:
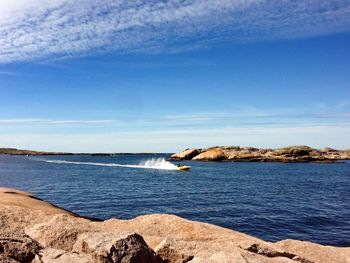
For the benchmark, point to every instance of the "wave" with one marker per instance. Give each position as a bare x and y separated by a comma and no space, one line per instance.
154,163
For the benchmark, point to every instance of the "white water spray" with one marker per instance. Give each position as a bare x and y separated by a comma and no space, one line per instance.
154,163
158,163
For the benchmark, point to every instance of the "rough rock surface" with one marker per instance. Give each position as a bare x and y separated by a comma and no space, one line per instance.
58,236
250,154
186,154
17,247
210,155
115,247
51,255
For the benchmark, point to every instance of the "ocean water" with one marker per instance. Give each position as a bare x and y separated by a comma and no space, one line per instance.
272,201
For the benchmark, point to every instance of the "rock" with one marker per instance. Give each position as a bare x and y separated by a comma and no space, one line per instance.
315,153
227,149
170,253
251,154
27,200
344,155
294,151
235,255
244,154
272,252
17,247
6,259
211,155
60,231
315,252
216,251
328,149
64,237
51,255
198,251
185,155
116,248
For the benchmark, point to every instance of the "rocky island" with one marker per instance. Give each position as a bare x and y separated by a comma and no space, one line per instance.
33,230
251,154
14,151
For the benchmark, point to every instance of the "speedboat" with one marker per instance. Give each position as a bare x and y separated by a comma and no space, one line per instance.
183,167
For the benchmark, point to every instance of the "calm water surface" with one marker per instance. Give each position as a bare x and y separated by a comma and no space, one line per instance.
272,201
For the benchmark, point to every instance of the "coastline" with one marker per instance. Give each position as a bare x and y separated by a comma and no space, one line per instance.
14,151
290,154
50,234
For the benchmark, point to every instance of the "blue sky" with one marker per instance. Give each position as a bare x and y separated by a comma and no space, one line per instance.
161,76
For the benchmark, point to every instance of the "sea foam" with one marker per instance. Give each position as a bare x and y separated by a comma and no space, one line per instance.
154,163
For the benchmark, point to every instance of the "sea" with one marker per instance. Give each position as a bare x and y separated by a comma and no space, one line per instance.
271,201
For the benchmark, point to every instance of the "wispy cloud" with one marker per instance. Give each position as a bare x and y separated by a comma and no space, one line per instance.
176,140
251,116
7,73
49,122
246,126
37,29
243,116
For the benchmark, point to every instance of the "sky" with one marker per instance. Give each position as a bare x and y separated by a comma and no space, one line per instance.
162,76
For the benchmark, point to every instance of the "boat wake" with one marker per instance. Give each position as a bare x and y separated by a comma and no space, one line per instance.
154,163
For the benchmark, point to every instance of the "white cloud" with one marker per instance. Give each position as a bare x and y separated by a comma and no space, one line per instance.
37,29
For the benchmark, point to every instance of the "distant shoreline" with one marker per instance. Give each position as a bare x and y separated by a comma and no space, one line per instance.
290,154
14,151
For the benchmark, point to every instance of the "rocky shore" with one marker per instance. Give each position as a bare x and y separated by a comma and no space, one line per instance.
33,230
251,154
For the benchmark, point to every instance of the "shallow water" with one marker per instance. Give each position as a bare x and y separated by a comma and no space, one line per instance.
273,201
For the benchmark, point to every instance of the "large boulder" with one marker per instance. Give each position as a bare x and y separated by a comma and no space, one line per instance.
115,248
17,247
169,250
59,231
211,155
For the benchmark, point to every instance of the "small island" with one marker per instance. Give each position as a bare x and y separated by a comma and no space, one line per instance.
14,151
251,154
